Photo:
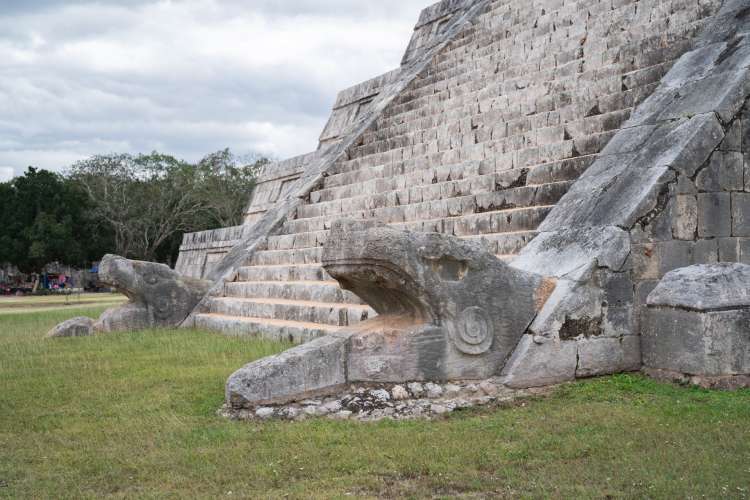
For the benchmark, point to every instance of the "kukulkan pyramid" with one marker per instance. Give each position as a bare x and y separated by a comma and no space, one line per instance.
543,190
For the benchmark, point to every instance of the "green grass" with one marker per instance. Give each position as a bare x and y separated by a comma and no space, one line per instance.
22,305
134,416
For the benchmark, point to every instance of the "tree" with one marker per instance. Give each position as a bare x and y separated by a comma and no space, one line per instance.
149,201
226,186
43,219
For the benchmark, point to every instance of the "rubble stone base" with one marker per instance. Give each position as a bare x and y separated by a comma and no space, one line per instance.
726,382
416,400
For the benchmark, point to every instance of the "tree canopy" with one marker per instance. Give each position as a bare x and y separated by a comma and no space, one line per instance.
44,217
136,206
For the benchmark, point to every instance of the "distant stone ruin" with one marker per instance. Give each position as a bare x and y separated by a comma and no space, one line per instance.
501,206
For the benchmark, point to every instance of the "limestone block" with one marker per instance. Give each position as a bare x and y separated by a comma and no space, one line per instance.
706,252
604,356
714,215
76,327
673,255
538,365
740,214
698,321
724,172
308,370
685,222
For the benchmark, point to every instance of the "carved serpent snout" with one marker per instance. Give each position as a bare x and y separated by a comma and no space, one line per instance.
156,292
480,303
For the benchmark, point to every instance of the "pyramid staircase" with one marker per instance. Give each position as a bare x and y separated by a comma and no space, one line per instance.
481,146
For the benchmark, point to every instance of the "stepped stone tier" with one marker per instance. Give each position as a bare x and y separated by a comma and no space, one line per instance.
588,146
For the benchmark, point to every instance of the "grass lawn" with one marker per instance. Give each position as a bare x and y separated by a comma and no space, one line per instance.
23,305
133,416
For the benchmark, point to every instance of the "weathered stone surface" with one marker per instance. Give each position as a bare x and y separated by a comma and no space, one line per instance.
444,297
76,327
372,403
159,297
538,365
704,288
317,367
560,253
431,42
698,322
620,196
714,215
697,343
487,155
604,356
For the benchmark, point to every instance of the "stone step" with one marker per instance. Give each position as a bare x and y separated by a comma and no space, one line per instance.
560,171
272,329
411,216
427,181
286,257
315,291
505,244
407,204
300,272
293,310
309,239
500,221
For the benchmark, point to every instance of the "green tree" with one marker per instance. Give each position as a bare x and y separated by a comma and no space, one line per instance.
150,201
43,219
225,187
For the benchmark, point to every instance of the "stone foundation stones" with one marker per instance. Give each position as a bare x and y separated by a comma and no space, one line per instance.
697,325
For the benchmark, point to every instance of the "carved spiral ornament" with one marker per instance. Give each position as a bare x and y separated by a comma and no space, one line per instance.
475,333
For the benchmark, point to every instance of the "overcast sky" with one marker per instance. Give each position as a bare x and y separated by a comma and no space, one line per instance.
186,77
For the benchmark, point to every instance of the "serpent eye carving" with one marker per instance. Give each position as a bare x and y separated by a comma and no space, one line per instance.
475,333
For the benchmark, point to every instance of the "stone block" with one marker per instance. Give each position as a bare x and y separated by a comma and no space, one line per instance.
714,215
618,288
604,356
538,365
697,343
618,321
685,217
697,322
76,327
311,369
706,251
729,249
674,254
733,139
645,259
740,214
724,172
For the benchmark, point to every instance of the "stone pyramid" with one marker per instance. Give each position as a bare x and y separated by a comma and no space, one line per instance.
544,190
497,109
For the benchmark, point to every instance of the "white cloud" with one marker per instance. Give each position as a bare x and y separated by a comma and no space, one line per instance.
190,77
6,174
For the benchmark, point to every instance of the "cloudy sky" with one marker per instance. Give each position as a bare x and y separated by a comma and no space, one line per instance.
186,77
